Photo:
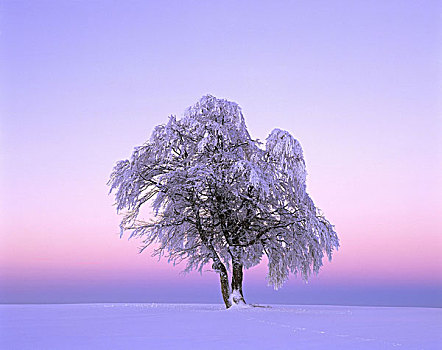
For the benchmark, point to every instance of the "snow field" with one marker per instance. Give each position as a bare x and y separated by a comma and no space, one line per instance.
198,326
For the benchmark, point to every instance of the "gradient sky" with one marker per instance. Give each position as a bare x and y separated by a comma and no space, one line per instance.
357,83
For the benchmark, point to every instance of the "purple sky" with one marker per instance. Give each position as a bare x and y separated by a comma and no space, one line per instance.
358,84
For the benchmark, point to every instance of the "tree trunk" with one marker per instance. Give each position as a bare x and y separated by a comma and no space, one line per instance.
237,278
218,266
224,280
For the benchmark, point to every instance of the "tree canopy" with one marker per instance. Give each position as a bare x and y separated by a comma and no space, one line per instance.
221,198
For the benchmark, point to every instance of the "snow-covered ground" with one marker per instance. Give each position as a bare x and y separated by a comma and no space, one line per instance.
197,326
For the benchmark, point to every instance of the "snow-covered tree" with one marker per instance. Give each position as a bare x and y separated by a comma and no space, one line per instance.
220,198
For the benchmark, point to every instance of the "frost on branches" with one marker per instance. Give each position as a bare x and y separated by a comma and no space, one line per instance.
220,198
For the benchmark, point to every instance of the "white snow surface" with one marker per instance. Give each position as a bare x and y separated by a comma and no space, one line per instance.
198,326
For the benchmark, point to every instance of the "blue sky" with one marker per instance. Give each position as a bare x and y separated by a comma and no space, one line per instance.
83,82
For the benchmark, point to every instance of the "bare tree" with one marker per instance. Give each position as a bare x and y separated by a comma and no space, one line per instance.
220,198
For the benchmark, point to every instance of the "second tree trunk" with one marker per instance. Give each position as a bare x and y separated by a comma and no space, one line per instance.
237,278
